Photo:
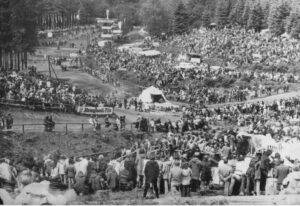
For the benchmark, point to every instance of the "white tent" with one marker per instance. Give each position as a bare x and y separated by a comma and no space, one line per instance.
152,95
185,65
150,53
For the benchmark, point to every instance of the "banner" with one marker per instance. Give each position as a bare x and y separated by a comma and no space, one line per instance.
95,111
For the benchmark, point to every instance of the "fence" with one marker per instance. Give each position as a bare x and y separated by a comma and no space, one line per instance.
38,106
64,127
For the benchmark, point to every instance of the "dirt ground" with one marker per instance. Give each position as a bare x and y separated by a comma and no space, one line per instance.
135,198
71,144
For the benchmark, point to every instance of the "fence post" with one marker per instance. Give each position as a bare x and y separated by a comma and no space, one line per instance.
66,128
23,128
82,127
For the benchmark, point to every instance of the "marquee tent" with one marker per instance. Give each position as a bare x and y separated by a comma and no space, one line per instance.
185,65
150,53
152,95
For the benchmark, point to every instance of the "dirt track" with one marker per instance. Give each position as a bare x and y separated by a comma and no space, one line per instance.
265,99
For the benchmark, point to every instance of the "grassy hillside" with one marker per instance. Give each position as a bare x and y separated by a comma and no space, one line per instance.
72,144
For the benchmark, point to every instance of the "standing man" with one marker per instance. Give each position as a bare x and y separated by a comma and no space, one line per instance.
9,121
225,173
125,103
265,166
281,172
195,165
151,175
139,162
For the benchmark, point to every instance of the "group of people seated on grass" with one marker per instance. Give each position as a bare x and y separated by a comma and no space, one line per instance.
175,164
237,45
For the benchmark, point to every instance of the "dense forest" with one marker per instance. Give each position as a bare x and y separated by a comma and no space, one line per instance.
20,20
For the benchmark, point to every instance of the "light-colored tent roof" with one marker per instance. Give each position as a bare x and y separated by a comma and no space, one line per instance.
150,53
145,97
216,68
185,65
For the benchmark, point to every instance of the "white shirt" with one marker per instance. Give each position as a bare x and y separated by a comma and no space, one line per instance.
241,167
186,176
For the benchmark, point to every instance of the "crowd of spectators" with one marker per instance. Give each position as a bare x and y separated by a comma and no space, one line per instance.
41,92
189,162
202,84
238,46
193,154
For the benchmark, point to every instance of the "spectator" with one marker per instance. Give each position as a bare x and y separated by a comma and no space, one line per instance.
281,172
195,165
225,174
151,175
112,178
176,177
186,179
9,121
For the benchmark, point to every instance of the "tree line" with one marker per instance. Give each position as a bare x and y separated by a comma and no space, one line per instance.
277,16
18,32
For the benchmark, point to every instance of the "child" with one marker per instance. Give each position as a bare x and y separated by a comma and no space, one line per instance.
61,165
186,178
70,171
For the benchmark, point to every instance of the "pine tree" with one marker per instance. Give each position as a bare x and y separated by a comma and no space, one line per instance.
206,18
222,13
266,12
295,32
255,20
293,23
277,19
154,17
196,9
237,12
181,24
245,15
5,31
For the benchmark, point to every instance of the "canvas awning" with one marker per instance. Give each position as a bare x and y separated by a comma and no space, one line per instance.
185,65
150,53
152,95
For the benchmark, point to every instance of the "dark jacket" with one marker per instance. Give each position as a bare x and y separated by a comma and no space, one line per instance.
112,178
281,172
80,186
95,182
265,164
151,171
130,166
